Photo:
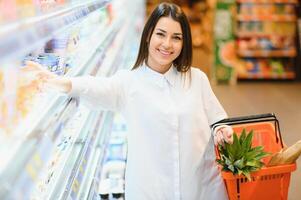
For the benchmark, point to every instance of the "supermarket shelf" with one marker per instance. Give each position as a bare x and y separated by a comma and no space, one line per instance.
268,1
79,163
89,66
260,76
95,50
76,180
57,101
280,18
98,152
267,53
79,184
25,36
34,127
88,188
99,158
260,34
84,184
81,160
75,157
91,162
109,65
79,177
32,152
95,177
73,130
51,101
38,11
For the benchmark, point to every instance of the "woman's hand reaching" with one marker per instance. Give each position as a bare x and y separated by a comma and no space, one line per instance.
46,79
38,70
222,134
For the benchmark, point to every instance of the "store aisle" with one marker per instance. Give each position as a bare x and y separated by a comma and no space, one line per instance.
283,99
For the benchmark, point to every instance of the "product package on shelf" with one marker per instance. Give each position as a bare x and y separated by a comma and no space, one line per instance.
265,39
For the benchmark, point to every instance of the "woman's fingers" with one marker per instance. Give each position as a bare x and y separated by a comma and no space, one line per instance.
224,134
36,67
221,138
218,138
38,70
32,66
228,134
36,76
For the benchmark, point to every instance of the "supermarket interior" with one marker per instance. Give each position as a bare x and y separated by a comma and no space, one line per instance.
53,146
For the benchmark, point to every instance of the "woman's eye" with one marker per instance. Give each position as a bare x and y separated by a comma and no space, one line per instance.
160,34
177,38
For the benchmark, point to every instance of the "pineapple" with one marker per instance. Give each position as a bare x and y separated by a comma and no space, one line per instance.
240,157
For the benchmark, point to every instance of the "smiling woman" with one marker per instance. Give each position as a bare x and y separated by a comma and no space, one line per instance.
165,44
166,39
170,145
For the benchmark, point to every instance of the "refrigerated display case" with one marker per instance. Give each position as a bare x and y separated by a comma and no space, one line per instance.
52,146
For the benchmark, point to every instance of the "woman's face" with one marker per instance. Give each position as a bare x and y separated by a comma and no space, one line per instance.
165,44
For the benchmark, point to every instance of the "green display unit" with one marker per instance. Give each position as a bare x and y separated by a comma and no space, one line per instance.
224,43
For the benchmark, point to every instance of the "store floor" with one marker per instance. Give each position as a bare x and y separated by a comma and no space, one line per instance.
283,99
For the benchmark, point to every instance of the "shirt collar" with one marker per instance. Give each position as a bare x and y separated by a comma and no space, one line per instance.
171,75
159,78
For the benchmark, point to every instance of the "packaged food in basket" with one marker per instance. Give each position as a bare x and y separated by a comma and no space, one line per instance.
287,155
241,157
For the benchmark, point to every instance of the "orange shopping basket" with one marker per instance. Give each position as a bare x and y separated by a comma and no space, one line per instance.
268,182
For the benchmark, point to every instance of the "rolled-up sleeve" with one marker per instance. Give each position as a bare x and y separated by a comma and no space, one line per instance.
106,93
214,110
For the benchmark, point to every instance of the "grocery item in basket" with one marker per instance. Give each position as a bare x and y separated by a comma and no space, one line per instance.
240,157
286,156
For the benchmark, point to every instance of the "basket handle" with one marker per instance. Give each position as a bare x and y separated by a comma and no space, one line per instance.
266,117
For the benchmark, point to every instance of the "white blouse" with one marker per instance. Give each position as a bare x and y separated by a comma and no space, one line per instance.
170,146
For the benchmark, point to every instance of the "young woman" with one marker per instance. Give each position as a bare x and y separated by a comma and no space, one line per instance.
169,107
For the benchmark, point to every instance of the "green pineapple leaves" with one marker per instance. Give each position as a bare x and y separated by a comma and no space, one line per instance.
240,157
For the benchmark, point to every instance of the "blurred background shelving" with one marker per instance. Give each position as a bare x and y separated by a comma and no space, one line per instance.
266,39
261,41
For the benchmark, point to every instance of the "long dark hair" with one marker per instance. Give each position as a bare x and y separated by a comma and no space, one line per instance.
183,61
